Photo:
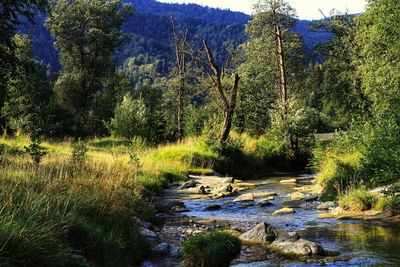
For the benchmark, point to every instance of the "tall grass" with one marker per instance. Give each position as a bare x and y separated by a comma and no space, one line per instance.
60,209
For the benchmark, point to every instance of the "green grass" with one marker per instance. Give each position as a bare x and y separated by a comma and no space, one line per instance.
216,249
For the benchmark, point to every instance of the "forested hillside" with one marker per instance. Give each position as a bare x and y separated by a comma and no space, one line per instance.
150,33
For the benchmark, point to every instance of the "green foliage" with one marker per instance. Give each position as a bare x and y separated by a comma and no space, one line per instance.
86,34
340,95
36,151
129,118
391,203
357,199
380,52
216,249
79,153
27,90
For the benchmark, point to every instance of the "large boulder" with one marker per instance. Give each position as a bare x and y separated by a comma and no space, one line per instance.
261,233
326,205
244,198
284,211
289,244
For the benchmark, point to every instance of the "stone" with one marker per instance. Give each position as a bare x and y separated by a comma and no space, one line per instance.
175,251
289,181
300,246
178,209
331,253
246,205
146,233
202,190
229,180
213,207
261,233
143,223
326,205
284,211
147,264
244,198
292,203
297,196
264,202
264,194
188,184
311,198
162,248
310,205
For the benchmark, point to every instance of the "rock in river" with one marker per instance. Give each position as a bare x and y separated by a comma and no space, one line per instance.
326,205
284,211
292,243
289,181
264,202
213,207
244,198
293,203
262,232
297,196
188,184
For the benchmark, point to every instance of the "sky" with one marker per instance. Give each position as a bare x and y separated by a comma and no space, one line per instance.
306,9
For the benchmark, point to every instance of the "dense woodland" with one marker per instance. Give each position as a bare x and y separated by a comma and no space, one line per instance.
246,94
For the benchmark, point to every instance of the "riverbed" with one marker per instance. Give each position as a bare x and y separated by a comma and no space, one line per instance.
363,243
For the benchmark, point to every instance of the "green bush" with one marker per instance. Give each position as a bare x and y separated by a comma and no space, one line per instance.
357,199
389,203
216,249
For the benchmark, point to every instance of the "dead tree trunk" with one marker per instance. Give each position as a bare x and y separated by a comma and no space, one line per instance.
180,54
281,56
228,104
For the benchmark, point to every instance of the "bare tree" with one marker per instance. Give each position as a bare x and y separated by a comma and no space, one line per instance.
227,96
180,42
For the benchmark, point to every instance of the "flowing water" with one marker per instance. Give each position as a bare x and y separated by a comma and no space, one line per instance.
366,244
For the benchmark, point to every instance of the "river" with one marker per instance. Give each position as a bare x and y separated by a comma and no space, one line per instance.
364,243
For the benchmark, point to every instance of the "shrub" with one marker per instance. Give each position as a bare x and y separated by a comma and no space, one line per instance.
389,203
79,153
357,199
36,151
130,118
231,159
216,249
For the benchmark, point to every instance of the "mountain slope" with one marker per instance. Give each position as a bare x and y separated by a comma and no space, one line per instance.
150,29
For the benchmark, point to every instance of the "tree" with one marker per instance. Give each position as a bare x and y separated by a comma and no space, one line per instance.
86,34
269,77
378,34
27,90
13,14
180,45
227,96
129,119
341,95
